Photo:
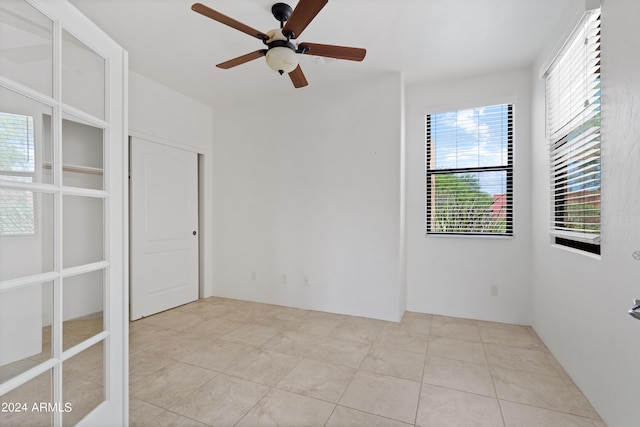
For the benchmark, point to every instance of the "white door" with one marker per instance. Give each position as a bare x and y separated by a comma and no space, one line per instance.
164,227
63,275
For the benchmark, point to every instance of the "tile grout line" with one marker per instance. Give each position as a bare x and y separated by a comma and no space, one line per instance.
424,366
351,381
493,382
550,410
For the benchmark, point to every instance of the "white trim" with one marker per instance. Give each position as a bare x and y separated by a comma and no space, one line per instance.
577,251
26,376
566,36
28,281
85,268
578,237
74,115
205,224
36,187
84,192
84,345
168,142
125,237
57,318
466,105
26,91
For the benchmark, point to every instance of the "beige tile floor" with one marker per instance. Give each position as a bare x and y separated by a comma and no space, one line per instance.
222,362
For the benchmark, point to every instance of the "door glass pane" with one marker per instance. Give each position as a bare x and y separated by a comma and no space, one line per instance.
25,138
35,392
83,383
82,76
82,155
83,230
26,46
83,304
26,233
25,328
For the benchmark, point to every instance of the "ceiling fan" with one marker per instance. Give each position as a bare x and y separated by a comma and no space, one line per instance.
281,50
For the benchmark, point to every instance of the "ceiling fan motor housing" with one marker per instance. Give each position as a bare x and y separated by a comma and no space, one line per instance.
281,11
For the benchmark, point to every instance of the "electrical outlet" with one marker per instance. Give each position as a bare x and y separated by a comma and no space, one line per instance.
305,281
495,290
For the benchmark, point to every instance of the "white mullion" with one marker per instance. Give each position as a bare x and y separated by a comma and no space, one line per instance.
85,268
26,91
85,118
124,328
26,376
36,187
106,325
84,345
84,192
56,171
106,290
28,281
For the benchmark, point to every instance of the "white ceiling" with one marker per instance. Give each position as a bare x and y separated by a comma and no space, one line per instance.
424,39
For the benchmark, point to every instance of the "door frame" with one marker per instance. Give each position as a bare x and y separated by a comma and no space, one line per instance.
199,198
202,229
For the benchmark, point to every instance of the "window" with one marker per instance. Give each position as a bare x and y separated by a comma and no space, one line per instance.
17,163
469,163
573,133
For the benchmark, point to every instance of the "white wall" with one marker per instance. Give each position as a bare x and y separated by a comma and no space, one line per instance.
580,301
162,115
453,275
308,185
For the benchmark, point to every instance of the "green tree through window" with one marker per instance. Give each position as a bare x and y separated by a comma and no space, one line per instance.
462,206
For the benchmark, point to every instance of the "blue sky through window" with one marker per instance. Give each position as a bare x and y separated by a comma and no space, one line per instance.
475,137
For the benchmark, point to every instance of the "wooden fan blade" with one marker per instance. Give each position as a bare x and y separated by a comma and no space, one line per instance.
339,52
224,19
297,78
242,59
302,15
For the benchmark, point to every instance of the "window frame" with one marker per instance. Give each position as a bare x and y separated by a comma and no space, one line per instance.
559,140
34,135
508,169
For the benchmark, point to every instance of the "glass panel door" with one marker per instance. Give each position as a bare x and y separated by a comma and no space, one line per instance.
62,209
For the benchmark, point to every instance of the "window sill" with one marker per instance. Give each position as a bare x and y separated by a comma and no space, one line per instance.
577,251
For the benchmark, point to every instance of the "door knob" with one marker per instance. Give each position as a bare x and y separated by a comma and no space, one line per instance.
194,233
635,309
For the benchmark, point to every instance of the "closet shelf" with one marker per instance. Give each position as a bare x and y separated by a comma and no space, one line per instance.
77,169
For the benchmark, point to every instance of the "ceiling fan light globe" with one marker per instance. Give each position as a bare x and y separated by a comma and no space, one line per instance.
281,59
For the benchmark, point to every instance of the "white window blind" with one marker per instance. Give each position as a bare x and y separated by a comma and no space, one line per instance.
573,130
469,166
17,163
